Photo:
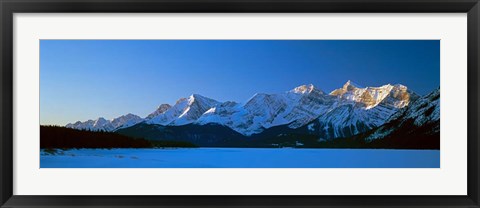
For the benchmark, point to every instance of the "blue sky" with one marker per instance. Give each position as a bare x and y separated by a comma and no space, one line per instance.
86,79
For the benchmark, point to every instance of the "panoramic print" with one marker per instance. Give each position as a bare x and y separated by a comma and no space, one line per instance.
239,104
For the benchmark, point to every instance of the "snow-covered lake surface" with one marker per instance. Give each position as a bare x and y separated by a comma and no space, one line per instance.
240,158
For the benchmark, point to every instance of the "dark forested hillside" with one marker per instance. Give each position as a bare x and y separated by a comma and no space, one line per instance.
209,135
61,137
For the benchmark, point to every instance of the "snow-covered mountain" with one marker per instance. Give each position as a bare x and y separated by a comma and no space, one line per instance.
424,110
107,125
160,110
360,109
421,118
344,112
296,108
397,96
185,111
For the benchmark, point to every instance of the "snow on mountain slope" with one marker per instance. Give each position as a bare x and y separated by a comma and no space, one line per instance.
361,109
424,112
308,107
161,109
298,107
348,119
169,115
247,119
397,96
107,125
263,110
125,121
226,113
185,111
197,106
86,125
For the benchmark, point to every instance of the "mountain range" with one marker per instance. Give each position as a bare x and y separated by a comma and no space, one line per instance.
304,115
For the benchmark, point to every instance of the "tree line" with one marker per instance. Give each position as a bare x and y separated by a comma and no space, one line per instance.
62,137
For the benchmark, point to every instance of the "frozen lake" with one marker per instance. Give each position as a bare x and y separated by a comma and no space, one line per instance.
240,158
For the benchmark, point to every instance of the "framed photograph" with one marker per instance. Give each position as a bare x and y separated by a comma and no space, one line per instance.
266,103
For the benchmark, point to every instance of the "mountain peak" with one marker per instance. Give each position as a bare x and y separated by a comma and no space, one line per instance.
161,109
202,99
397,96
191,111
101,120
181,100
128,116
349,85
125,121
164,107
194,95
302,89
197,96
107,125
399,86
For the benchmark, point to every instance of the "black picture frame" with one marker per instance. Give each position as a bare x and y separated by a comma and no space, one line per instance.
9,7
